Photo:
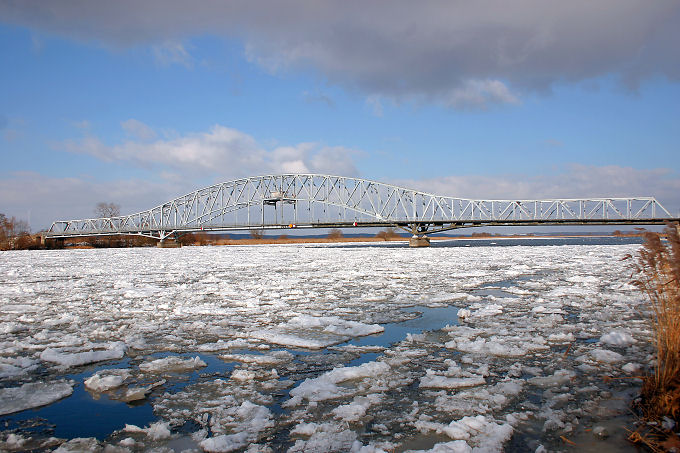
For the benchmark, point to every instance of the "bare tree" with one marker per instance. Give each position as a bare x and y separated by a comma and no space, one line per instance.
104,209
14,233
256,234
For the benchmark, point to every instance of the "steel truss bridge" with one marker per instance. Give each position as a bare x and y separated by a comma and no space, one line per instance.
323,201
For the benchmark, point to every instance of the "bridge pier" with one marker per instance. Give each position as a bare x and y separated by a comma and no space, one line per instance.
52,243
419,241
166,244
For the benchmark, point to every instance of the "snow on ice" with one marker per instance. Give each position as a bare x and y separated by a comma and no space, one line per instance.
33,394
307,338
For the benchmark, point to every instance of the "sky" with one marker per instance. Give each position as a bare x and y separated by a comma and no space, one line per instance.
137,102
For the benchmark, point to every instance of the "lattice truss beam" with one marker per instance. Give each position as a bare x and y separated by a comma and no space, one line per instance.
309,200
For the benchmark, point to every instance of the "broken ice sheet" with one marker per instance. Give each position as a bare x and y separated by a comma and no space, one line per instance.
529,343
33,394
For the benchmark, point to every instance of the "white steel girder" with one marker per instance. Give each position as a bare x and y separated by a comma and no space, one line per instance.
312,200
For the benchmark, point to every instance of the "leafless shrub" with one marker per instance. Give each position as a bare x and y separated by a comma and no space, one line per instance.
387,234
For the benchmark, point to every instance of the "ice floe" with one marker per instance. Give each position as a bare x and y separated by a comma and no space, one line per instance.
172,364
33,394
69,359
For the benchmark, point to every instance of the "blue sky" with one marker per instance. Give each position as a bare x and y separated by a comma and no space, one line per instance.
139,102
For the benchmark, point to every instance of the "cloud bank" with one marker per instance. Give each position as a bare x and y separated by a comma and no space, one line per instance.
458,53
220,152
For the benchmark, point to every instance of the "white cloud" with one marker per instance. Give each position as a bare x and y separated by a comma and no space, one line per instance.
172,52
398,49
221,151
480,95
138,130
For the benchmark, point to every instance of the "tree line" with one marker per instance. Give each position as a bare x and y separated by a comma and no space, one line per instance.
15,234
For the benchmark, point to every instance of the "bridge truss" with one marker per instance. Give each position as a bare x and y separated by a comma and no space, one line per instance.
323,201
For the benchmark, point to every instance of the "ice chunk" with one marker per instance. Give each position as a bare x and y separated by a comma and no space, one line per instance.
294,341
105,380
225,442
355,410
138,393
561,338
559,377
606,356
457,446
431,380
80,444
483,311
617,338
483,434
33,394
328,437
69,359
497,345
326,386
15,441
155,431
172,364
336,325
305,429
243,375
272,358
464,313
631,367
247,422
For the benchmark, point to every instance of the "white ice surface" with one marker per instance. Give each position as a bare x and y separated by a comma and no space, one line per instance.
69,359
172,364
557,319
33,394
327,386
617,338
105,380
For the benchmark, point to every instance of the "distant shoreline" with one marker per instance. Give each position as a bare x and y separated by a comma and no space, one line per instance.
203,239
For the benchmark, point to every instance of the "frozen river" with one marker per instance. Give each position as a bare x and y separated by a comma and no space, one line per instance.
320,348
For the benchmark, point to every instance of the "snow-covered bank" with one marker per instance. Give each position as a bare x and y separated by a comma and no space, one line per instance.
519,365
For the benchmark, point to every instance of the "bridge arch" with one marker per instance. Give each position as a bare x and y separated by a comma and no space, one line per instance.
324,201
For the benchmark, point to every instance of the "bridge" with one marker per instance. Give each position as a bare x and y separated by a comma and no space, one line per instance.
324,201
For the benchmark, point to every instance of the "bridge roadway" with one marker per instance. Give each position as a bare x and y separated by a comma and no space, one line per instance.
325,201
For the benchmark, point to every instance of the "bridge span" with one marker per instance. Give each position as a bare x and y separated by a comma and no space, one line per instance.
325,201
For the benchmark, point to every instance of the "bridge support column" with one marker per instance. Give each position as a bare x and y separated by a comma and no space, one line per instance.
168,244
54,243
419,241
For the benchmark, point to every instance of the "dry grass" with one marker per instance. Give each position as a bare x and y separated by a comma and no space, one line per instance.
658,276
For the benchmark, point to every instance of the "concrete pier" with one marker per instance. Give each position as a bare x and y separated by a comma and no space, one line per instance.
419,241
166,244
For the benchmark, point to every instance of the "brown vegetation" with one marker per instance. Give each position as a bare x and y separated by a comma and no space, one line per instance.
96,242
388,234
658,276
335,233
14,234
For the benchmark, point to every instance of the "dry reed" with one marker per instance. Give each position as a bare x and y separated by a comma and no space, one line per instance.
658,276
